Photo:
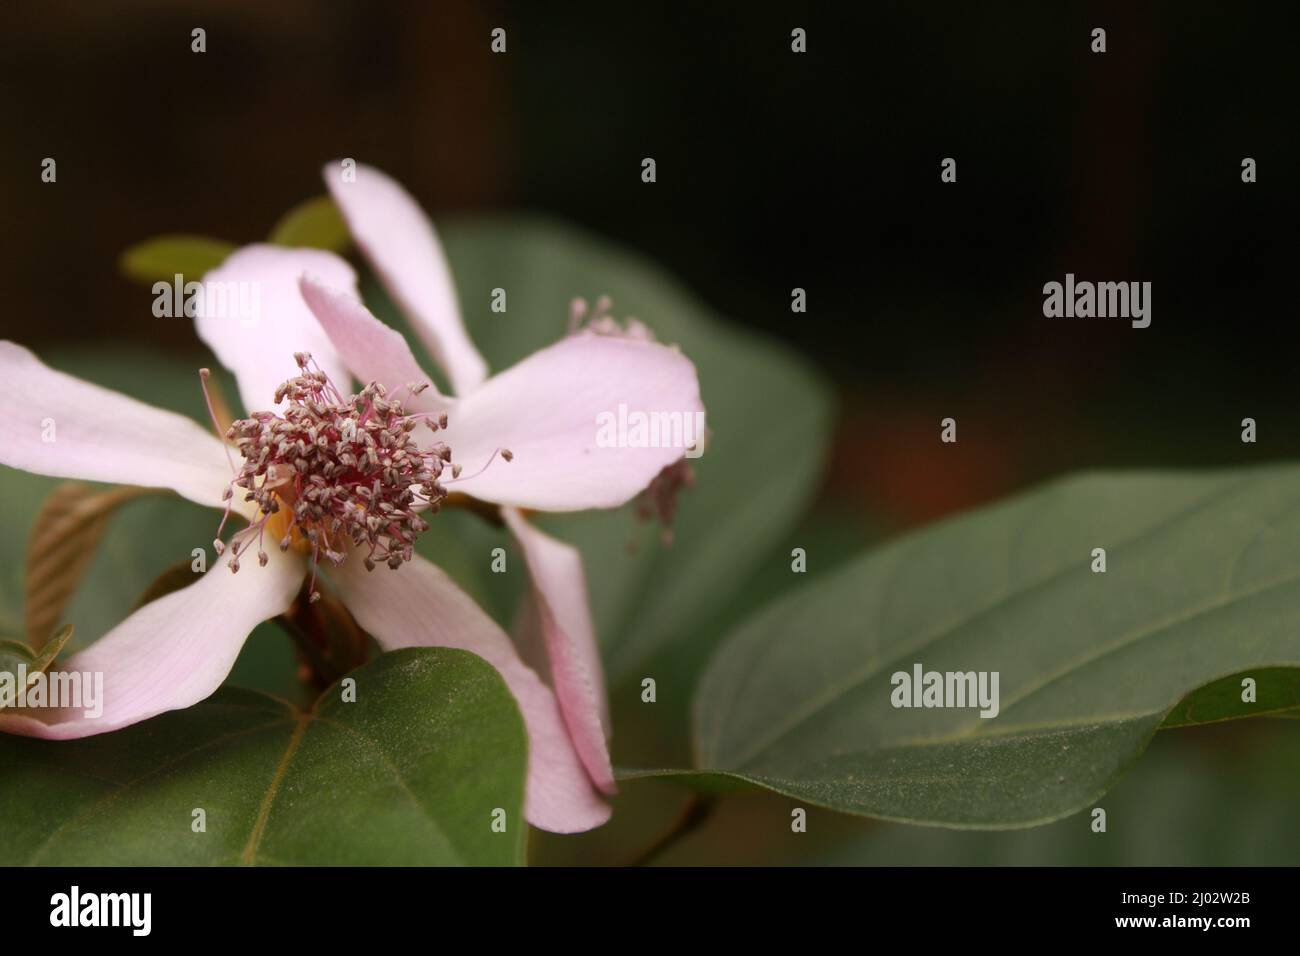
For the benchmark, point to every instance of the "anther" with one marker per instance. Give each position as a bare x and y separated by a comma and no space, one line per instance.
346,470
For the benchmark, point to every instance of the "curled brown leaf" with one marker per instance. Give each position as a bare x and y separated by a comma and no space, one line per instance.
67,530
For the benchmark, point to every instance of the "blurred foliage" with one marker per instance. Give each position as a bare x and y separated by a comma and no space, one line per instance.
313,224
164,258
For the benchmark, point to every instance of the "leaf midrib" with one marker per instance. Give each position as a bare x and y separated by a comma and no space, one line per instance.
249,853
121,787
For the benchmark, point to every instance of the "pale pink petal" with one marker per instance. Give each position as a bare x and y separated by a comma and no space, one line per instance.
171,653
564,616
54,424
399,242
371,350
417,605
560,409
257,343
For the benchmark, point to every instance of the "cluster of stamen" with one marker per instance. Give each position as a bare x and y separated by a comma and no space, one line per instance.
329,470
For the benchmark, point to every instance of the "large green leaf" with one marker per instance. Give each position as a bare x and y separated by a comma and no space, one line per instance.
412,772
1202,581
1219,795
653,604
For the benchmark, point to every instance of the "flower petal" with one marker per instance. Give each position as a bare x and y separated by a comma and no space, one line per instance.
171,653
54,424
418,605
554,412
399,241
258,343
371,350
564,615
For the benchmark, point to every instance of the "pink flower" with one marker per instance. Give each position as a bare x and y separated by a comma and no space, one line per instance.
523,439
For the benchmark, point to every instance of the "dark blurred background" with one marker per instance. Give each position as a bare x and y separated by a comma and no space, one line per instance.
775,170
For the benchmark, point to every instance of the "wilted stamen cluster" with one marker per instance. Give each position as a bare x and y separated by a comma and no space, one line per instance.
598,319
659,499
328,470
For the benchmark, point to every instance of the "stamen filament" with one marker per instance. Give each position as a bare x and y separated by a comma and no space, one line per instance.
204,375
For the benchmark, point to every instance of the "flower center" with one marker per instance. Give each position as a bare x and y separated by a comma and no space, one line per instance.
328,473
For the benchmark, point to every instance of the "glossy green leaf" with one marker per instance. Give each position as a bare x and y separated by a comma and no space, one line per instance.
314,224
165,257
1202,581
412,772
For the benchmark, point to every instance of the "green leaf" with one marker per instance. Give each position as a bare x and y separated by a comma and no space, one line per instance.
1277,690
1218,795
411,773
51,647
165,257
1202,581
653,604
15,653
314,224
